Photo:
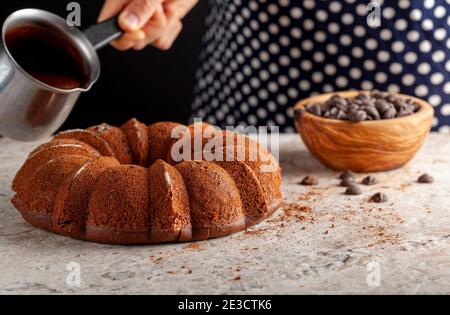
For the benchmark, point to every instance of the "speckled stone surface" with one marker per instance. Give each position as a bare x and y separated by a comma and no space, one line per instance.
322,243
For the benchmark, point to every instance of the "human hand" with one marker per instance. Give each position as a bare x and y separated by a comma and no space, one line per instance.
147,22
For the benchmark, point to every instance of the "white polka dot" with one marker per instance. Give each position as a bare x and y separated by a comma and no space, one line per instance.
388,13
403,4
413,36
309,4
435,100
345,40
306,65
429,4
335,6
425,46
427,25
401,25
284,41
383,56
308,24
273,9
440,12
447,88
344,61
261,113
294,73
367,85
304,85
327,88
284,61
361,9
274,49
440,34
341,82
330,69
296,13
264,75
317,77
421,90
416,15
447,66
357,52
321,15
332,49
282,99
292,93
393,88
347,19
355,73
296,33
408,79
273,68
320,36
398,47
273,87
284,21
411,57
445,110
333,28
307,45
444,129
319,57
280,119
438,56
435,121
295,53
424,68
371,44
437,78
369,65
381,77
263,17
359,31
386,34
396,68
274,29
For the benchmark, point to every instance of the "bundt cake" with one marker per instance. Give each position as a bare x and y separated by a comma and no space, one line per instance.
128,185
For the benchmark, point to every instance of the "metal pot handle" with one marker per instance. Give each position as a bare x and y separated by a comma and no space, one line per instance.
101,34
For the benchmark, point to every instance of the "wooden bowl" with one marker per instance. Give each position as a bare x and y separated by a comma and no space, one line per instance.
367,146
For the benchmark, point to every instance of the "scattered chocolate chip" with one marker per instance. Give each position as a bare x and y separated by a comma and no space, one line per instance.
379,198
314,109
309,181
369,180
353,190
347,174
347,182
425,179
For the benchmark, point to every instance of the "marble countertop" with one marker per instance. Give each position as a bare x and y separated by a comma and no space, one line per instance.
322,242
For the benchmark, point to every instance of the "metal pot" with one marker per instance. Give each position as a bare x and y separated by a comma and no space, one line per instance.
30,109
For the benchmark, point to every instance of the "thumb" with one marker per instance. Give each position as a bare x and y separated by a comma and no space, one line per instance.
138,13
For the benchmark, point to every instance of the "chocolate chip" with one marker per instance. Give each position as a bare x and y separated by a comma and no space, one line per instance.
369,180
365,106
314,109
309,181
347,174
425,179
347,182
353,191
379,198
389,113
358,116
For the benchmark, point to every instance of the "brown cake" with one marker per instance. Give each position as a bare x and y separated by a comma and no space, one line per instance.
122,186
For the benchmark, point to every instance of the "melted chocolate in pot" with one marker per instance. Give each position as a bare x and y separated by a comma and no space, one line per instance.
46,56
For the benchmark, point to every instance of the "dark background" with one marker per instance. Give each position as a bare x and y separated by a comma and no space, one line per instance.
150,85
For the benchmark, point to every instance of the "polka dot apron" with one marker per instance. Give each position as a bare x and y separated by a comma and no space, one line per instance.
261,56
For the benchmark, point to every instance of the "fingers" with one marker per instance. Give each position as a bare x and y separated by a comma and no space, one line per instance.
128,40
111,8
165,42
179,8
138,13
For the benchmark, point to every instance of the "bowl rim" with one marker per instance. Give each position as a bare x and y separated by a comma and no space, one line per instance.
426,109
